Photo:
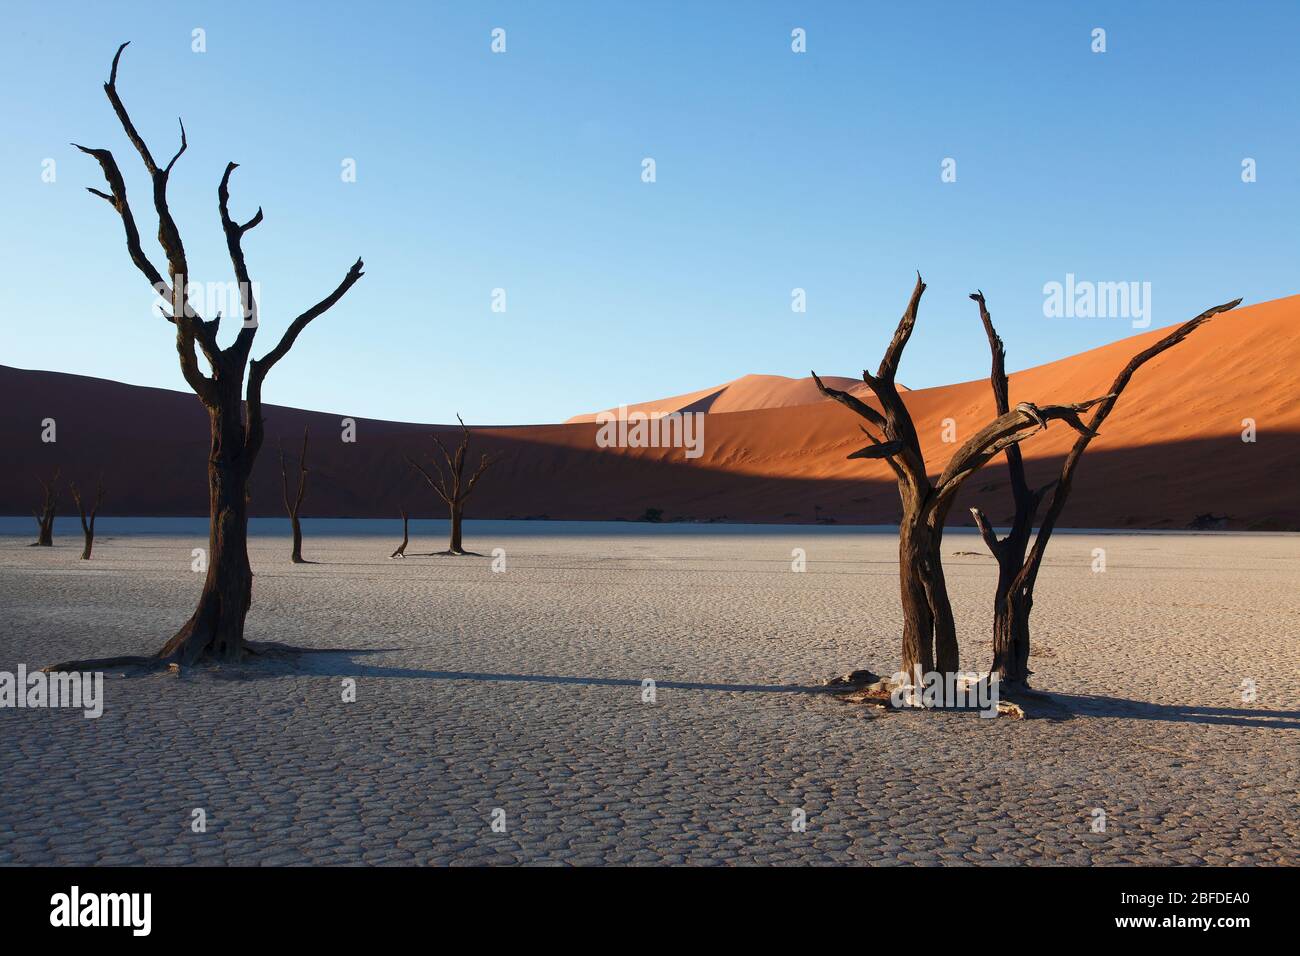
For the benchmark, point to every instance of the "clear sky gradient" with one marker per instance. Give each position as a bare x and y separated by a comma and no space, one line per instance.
522,171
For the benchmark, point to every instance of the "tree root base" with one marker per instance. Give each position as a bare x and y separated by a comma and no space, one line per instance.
869,690
138,665
251,651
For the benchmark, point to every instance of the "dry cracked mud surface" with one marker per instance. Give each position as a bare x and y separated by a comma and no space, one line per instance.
522,691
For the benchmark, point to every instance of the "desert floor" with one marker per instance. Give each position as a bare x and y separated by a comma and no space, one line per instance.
522,691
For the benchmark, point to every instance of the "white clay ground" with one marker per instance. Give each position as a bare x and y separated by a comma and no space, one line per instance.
523,691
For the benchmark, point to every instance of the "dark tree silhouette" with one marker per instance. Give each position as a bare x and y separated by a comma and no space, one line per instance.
88,526
216,628
406,536
929,633
451,485
1014,598
45,516
294,506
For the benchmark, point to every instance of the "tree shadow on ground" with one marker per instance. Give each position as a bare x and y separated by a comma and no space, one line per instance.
344,662
340,662
1087,705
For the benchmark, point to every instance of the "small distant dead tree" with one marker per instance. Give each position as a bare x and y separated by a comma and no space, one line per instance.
1014,597
451,485
406,536
216,628
88,526
929,632
45,516
294,506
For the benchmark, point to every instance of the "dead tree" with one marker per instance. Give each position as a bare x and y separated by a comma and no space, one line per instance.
929,633
295,505
450,484
88,526
406,536
1014,597
216,628
45,516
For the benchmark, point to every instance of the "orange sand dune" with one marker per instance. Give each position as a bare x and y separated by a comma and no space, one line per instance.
1171,450
745,394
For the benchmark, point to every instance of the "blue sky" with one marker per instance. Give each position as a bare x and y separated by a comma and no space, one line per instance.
522,171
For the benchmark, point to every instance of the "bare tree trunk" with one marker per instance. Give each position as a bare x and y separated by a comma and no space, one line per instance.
1013,599
88,519
918,617
45,517
216,628
406,536
456,547
217,625
947,656
450,484
929,631
1010,603
1011,636
294,505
